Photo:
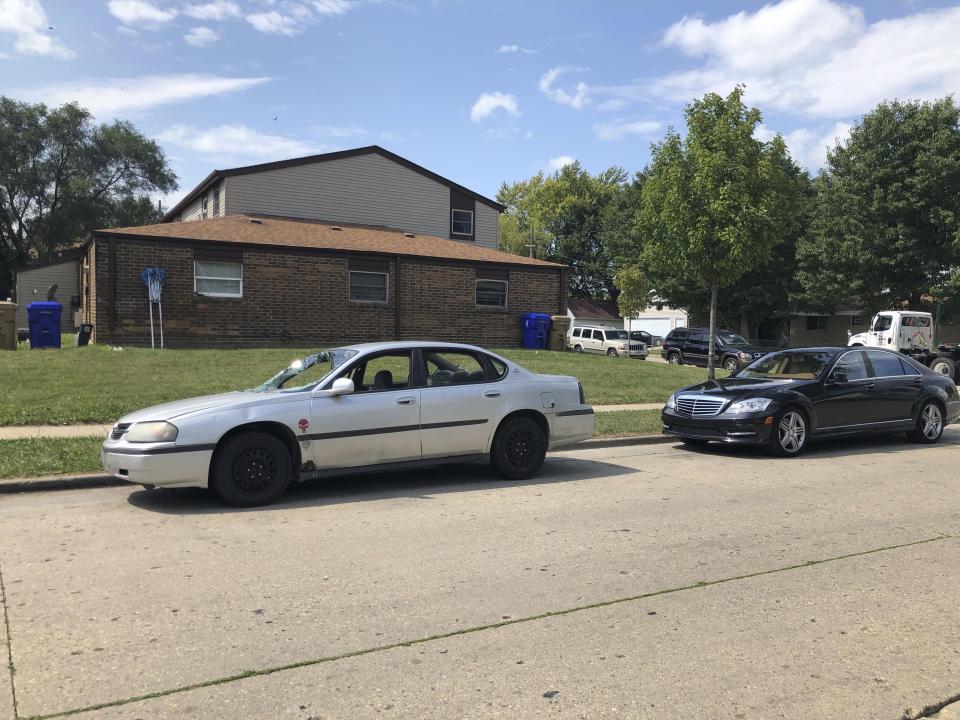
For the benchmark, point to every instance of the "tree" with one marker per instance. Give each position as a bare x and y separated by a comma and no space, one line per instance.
564,216
635,290
62,175
886,223
710,208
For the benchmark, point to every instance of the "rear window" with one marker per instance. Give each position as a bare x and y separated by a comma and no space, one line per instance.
885,364
676,335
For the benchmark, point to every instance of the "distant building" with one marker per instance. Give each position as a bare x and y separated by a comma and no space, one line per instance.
605,313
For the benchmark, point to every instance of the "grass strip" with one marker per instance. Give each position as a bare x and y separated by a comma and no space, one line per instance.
36,457
478,628
623,423
97,384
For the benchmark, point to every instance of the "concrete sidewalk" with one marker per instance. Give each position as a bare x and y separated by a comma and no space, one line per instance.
20,432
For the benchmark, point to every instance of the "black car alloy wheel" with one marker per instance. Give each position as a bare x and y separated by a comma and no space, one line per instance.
254,469
519,448
251,468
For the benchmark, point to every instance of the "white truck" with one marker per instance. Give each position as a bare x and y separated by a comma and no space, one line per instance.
912,334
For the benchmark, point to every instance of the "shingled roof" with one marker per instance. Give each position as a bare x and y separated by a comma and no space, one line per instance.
284,232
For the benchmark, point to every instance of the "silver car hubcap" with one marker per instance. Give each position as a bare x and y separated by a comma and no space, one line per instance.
793,432
932,422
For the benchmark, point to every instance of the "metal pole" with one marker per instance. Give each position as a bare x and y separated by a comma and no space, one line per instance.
160,312
152,345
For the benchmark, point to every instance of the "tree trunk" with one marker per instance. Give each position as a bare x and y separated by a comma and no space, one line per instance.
712,342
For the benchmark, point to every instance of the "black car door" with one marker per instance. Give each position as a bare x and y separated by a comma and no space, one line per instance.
848,398
897,391
695,349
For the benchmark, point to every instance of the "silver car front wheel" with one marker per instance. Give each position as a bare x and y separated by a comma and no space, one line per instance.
790,433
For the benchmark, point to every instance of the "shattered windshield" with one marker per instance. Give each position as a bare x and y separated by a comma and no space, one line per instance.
308,371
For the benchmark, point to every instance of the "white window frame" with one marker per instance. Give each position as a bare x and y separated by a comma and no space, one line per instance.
453,221
386,287
204,207
506,293
238,294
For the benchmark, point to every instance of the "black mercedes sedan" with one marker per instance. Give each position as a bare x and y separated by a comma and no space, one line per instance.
788,398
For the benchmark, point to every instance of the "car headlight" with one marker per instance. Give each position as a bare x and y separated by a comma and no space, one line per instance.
621,346
151,432
749,406
672,402
745,355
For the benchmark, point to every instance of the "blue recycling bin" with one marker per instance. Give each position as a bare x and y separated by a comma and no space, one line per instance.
44,321
534,328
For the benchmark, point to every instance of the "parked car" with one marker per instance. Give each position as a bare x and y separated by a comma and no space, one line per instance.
377,406
606,341
642,336
688,346
790,397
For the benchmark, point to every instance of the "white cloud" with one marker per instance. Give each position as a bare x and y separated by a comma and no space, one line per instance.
27,21
235,140
617,131
340,131
273,23
612,105
816,57
217,10
331,7
577,99
487,103
558,163
515,50
201,37
140,12
119,96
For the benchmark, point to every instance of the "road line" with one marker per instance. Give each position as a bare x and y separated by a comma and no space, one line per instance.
6,624
476,629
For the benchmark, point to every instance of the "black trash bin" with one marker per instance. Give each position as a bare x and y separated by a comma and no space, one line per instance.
83,334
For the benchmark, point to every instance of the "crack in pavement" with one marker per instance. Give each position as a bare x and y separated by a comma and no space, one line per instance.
478,628
6,624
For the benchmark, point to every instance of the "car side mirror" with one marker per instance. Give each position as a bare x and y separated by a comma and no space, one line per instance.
838,378
849,333
340,386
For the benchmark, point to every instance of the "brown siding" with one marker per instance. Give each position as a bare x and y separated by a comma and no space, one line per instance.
300,300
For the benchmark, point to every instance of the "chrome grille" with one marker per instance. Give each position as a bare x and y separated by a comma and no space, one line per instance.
119,430
637,347
699,406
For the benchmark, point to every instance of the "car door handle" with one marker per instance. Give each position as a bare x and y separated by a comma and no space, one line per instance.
492,393
870,386
406,401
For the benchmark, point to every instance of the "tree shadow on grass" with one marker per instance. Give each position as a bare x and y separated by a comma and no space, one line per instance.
421,484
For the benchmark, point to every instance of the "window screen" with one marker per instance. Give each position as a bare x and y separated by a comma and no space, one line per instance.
461,222
218,279
492,293
368,286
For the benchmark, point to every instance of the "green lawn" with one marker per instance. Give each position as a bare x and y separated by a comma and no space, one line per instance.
36,457
97,384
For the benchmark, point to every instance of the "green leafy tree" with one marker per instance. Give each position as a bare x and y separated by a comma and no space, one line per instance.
886,223
565,217
635,290
710,208
62,175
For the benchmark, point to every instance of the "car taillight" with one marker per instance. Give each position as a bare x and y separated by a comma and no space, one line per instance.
583,399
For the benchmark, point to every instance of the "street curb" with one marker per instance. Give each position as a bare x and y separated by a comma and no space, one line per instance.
82,482
618,442
58,482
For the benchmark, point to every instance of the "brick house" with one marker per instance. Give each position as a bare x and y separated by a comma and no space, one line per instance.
360,245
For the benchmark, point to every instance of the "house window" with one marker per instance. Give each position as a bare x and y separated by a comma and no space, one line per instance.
217,278
492,293
368,286
856,319
461,222
203,208
216,202
817,322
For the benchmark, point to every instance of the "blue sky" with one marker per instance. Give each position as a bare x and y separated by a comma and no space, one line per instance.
480,92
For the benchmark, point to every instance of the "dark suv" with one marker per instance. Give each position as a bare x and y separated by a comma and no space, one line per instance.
688,346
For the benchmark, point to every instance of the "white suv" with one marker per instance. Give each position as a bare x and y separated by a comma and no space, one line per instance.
614,343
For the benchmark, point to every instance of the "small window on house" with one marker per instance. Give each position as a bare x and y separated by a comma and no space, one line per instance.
216,202
817,322
218,279
492,293
368,286
203,208
461,222
856,319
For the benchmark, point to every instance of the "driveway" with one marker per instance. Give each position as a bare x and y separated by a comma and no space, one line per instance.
624,582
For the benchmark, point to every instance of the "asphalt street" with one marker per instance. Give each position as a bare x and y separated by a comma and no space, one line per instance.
629,582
